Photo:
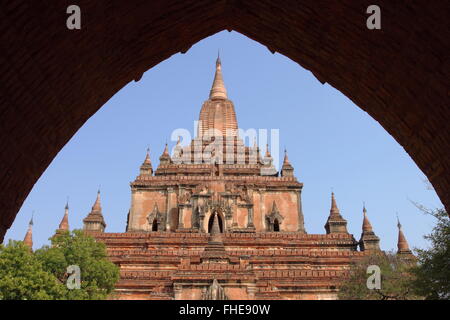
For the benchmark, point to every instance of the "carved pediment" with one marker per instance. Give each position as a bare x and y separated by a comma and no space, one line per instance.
231,188
243,195
201,189
185,197
215,292
274,214
155,214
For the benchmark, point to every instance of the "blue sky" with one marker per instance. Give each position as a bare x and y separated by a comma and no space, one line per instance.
332,144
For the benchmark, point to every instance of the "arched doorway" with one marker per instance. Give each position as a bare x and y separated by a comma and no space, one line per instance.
211,219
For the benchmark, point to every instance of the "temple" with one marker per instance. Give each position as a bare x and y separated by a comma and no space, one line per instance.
216,220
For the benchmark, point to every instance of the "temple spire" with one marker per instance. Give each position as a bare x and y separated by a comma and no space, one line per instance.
147,160
274,207
402,244
335,222
366,227
165,157
334,209
64,224
404,252
369,240
97,205
28,239
217,115
166,150
218,90
146,167
287,170
94,220
286,159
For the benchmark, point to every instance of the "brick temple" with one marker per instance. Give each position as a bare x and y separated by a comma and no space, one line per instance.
216,220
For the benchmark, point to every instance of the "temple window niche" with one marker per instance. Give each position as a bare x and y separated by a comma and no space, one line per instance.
274,219
155,219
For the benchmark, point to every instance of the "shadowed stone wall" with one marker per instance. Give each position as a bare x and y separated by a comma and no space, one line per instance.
53,79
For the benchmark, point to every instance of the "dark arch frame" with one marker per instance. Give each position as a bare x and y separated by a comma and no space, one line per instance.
52,85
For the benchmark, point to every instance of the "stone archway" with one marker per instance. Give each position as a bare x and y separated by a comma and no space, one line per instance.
53,79
221,221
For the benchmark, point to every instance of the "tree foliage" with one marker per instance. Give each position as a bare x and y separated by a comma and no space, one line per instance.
43,274
98,274
23,277
432,274
395,275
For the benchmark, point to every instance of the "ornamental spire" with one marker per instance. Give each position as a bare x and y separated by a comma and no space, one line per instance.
28,239
94,220
369,240
335,222
334,209
286,159
166,150
274,207
97,205
287,170
165,157
218,90
147,160
404,252
366,226
402,244
146,167
64,224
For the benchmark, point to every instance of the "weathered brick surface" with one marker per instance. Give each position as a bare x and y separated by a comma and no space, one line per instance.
52,79
290,266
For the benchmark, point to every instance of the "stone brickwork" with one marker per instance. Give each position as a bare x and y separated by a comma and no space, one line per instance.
262,265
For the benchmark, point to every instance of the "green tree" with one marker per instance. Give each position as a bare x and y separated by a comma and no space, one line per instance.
23,277
98,274
432,274
395,275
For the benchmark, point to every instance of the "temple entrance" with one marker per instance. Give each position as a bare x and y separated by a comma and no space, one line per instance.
155,225
210,223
